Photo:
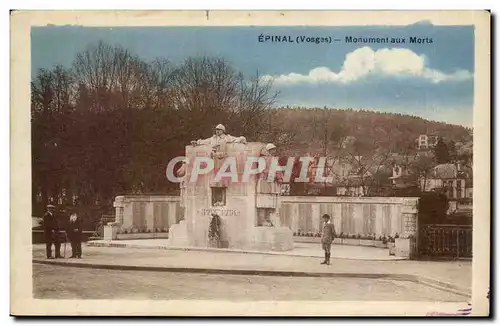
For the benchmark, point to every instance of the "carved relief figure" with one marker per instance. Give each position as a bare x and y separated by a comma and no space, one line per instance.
220,137
269,152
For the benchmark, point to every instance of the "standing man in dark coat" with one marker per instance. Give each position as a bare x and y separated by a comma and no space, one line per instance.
74,231
51,232
327,238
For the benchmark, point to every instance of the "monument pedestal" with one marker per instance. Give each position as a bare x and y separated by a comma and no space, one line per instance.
272,239
111,231
242,207
177,235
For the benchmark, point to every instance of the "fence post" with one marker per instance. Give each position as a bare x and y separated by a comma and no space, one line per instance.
458,244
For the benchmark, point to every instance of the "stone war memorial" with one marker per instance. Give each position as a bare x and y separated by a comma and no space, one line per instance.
222,212
226,202
243,211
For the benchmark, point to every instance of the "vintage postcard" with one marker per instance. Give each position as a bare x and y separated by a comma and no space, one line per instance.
235,163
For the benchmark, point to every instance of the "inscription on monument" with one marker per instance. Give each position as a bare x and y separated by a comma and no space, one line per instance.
220,212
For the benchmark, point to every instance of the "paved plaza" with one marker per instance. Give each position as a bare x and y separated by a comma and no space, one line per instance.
301,249
249,273
80,283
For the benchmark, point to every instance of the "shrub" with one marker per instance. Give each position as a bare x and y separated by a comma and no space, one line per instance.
432,208
366,237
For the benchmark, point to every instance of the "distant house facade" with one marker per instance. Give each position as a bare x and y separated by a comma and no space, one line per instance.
350,186
427,141
454,180
345,182
400,176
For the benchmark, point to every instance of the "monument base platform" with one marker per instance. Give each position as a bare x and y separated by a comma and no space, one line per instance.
178,235
263,239
272,239
299,249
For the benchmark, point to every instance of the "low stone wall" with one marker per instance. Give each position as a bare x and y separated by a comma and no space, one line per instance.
351,215
141,214
377,216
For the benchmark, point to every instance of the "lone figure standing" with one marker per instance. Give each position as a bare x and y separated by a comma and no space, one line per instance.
327,238
51,232
75,234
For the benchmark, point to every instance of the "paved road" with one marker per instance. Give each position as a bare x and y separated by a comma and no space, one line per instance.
56,282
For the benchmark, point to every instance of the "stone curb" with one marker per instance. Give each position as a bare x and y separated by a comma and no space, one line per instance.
277,253
440,285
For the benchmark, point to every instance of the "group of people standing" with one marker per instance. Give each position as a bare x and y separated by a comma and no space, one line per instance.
57,228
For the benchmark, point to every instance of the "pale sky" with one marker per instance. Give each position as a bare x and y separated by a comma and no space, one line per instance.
432,80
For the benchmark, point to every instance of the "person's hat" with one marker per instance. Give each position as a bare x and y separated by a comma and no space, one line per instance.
270,146
220,127
50,206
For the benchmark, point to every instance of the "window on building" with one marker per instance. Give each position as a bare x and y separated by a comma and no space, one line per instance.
218,196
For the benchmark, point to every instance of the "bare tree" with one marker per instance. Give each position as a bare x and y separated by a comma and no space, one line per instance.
420,168
368,160
103,69
255,100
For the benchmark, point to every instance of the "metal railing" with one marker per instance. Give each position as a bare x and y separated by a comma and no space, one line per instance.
446,241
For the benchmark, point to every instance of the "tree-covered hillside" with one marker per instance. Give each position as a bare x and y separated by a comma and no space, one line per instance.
309,129
111,122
